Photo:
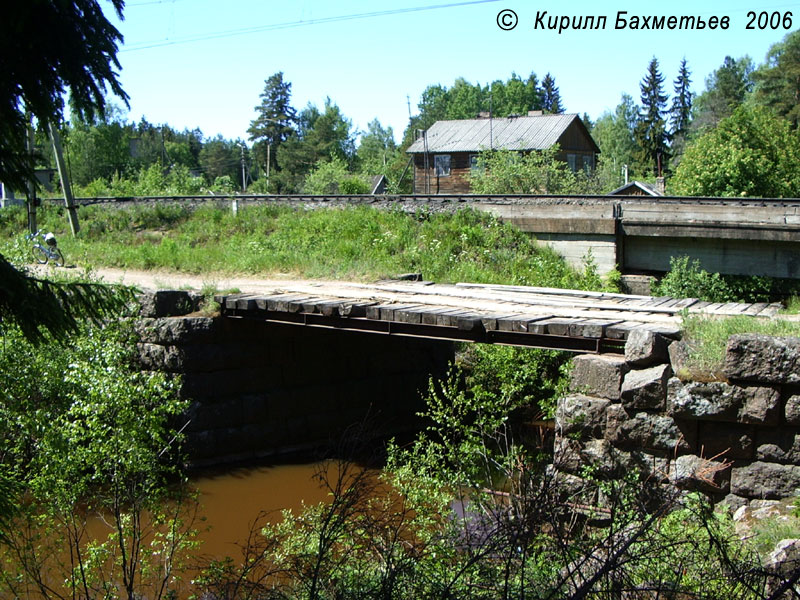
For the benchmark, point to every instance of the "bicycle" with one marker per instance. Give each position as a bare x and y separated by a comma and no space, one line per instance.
47,251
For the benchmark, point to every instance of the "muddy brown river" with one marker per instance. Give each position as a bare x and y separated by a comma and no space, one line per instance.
233,499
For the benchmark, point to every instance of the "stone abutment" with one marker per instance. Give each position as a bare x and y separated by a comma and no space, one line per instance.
259,389
735,439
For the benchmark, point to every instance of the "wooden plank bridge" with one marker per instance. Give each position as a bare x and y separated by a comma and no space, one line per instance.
571,320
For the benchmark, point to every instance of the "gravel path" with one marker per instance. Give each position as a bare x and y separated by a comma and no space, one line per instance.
161,280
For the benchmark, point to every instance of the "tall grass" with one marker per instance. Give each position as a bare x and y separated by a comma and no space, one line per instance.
707,339
358,243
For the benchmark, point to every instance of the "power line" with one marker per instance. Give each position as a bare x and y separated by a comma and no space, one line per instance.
149,3
296,24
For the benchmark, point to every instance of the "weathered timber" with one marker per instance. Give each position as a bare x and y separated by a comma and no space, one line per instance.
354,309
572,320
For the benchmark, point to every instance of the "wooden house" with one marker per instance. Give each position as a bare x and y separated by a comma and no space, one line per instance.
445,154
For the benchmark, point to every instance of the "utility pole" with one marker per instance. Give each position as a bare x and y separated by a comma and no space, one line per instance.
244,181
31,200
69,201
269,146
491,133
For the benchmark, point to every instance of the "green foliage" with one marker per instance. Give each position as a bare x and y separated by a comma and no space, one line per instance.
751,153
152,181
274,123
97,150
680,111
707,339
348,243
614,134
466,511
428,527
99,188
778,80
727,88
686,279
508,172
321,135
518,377
223,186
378,153
706,558
40,307
464,100
88,438
56,46
767,532
333,177
221,158
551,96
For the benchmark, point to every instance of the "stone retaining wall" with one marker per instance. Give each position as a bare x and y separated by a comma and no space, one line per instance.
259,389
736,440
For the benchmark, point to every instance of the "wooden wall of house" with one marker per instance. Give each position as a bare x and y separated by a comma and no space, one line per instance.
456,183
574,139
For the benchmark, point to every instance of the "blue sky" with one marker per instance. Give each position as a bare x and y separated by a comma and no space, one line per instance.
202,63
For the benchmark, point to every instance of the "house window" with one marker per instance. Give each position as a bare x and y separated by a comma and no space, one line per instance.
441,165
572,161
588,163
474,165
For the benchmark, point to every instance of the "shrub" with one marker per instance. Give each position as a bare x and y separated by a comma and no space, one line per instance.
686,279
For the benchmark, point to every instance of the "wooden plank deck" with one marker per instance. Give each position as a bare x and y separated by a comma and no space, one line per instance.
572,320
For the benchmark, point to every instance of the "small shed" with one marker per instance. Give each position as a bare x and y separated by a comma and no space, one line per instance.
640,188
445,154
377,184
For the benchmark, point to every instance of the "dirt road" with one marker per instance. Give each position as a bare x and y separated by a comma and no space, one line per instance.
161,280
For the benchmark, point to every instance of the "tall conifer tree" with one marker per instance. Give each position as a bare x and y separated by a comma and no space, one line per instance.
681,109
651,131
680,112
276,118
551,96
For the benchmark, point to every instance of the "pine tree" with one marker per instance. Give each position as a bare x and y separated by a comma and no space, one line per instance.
40,307
681,109
49,48
551,97
680,113
651,130
276,118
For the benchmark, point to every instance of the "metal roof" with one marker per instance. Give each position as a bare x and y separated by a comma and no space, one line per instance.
508,133
647,188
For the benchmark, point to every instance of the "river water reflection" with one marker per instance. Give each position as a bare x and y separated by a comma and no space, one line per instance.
233,499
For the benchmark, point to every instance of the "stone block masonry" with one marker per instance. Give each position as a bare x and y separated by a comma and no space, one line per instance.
736,440
259,389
